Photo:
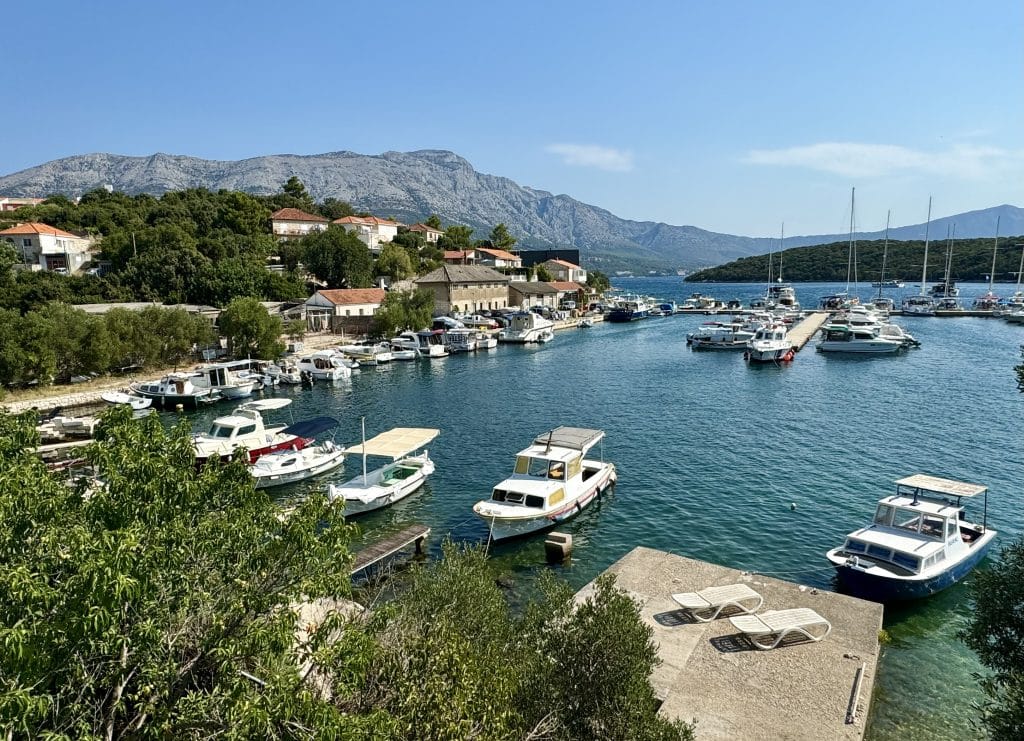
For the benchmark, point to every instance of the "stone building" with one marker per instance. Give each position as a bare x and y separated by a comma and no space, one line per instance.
466,289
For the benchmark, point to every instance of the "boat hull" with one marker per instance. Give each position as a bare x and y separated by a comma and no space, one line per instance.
625,315
264,479
896,589
769,354
359,499
860,348
509,528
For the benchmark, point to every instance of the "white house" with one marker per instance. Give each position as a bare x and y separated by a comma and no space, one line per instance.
371,230
344,308
563,270
430,234
493,258
43,247
292,223
11,203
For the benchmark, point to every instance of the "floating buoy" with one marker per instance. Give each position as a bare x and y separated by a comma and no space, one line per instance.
792,506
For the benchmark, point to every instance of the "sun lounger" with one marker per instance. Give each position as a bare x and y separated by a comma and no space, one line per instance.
780,623
716,599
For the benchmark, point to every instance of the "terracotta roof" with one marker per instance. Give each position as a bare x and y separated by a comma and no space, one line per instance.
35,227
457,254
295,214
532,287
366,221
567,285
463,274
424,228
499,254
564,263
342,296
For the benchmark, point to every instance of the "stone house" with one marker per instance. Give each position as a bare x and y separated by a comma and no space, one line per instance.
460,257
532,293
372,231
466,289
294,223
563,270
569,290
44,247
430,234
344,309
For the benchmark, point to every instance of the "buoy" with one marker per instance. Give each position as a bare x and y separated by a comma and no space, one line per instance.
792,506
179,408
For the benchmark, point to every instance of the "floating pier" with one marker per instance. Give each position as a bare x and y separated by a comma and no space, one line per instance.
800,690
391,545
800,334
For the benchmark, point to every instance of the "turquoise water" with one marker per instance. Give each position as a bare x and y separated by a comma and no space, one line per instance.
712,453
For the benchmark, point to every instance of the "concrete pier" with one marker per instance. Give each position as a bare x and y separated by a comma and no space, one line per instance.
800,334
710,673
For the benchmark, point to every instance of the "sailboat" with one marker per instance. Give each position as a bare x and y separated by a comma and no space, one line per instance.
882,282
990,300
839,301
781,296
1012,308
921,304
947,291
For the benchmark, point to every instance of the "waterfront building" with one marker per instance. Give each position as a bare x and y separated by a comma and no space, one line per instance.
294,223
570,291
532,293
493,258
563,270
344,309
43,247
466,289
371,230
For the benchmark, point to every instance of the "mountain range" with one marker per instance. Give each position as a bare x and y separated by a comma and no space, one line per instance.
409,186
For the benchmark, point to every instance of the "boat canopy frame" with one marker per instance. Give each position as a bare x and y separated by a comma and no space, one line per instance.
923,486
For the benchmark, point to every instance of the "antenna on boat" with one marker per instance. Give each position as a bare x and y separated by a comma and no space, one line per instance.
550,434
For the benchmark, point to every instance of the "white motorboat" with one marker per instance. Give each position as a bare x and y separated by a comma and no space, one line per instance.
383,486
553,480
527,326
171,390
918,306
137,403
867,340
460,339
430,343
486,340
231,380
585,323
324,365
284,371
245,428
720,336
919,542
368,354
769,345
290,466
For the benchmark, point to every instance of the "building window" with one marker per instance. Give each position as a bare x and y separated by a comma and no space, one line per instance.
348,312
26,242
360,312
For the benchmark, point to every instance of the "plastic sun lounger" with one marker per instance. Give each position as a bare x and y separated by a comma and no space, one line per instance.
781,623
717,599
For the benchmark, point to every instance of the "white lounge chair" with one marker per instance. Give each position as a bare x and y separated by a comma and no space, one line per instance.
781,623
717,599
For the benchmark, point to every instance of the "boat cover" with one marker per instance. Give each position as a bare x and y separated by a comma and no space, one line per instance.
942,486
265,405
311,427
576,438
395,443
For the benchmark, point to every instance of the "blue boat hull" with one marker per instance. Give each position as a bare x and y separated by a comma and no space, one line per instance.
617,315
882,589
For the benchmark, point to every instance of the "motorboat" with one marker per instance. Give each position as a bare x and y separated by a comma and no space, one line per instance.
889,283
629,309
896,332
324,365
862,340
986,302
460,339
918,306
553,480
700,302
944,289
231,380
368,354
245,428
720,336
919,542
119,398
172,390
399,352
430,343
284,371
290,466
585,323
527,326
409,466
769,345
782,295
486,340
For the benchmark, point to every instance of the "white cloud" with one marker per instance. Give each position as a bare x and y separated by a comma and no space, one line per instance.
585,155
854,160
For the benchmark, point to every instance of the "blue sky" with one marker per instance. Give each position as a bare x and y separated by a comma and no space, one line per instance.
729,116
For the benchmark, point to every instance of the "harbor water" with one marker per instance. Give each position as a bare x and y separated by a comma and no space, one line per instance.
757,467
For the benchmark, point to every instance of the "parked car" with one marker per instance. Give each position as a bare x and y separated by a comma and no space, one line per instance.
446,322
480,322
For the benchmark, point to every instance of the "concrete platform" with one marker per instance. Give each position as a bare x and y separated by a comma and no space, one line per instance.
710,673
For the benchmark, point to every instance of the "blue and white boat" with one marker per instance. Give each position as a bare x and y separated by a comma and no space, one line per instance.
918,544
628,309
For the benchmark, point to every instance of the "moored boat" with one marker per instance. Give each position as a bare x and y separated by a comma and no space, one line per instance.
527,326
117,398
392,482
859,340
918,543
769,345
171,390
553,480
290,466
245,428
324,365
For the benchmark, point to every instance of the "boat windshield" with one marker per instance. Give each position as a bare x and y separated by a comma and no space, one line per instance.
540,467
221,431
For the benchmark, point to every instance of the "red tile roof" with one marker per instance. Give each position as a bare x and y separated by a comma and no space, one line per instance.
295,214
366,221
343,296
35,227
564,264
567,285
457,254
424,228
499,254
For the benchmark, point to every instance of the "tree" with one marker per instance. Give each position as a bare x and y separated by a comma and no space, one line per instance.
338,257
250,329
501,239
332,209
156,601
173,334
296,189
597,281
404,310
456,237
543,274
433,221
393,262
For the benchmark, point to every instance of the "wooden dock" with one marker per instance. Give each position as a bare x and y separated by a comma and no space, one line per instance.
391,545
800,334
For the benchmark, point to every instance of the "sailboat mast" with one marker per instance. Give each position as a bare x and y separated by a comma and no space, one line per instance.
782,236
949,259
924,265
885,252
849,253
1020,268
992,275
363,422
